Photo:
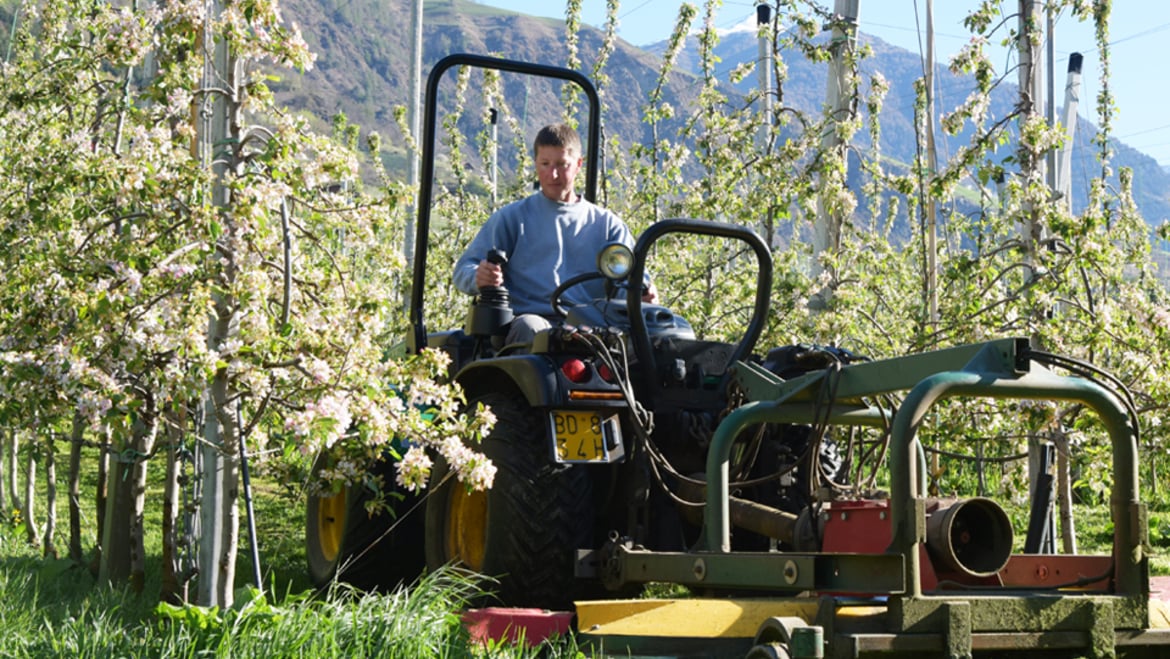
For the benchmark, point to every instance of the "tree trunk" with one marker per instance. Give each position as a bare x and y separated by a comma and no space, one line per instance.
50,496
4,509
101,497
13,482
219,514
980,470
30,494
145,432
76,436
114,565
174,587
219,518
1068,531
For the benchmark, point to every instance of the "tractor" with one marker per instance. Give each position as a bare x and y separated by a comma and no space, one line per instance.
602,423
630,451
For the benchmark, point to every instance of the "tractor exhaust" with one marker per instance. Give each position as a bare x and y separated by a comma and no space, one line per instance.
744,514
971,536
968,537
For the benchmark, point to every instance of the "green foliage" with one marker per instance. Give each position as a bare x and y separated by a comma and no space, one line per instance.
1160,532
413,622
49,613
158,268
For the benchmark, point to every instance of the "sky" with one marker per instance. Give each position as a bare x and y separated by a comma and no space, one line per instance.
1137,30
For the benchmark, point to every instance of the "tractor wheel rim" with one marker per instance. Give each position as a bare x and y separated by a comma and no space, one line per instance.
466,536
331,524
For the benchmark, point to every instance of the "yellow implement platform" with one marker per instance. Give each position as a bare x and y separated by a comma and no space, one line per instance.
701,627
707,627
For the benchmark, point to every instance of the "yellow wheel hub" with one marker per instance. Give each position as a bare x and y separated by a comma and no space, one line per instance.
331,524
466,533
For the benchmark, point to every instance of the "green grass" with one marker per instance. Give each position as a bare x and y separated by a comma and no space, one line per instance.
63,613
54,607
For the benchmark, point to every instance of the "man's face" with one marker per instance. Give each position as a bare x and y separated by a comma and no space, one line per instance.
556,168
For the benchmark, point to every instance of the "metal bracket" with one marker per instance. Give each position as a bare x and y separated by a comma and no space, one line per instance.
1102,636
958,632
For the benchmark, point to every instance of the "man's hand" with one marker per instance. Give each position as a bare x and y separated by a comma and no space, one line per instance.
488,274
649,293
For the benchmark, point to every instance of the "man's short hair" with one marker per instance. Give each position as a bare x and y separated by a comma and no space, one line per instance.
558,135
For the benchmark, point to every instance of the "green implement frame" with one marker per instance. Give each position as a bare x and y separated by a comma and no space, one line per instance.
952,623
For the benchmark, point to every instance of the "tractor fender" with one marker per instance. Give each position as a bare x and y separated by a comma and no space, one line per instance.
534,376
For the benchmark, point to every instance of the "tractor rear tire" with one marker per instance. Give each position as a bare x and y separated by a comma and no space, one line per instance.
526,529
344,543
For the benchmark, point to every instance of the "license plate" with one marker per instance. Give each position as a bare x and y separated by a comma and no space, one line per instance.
581,436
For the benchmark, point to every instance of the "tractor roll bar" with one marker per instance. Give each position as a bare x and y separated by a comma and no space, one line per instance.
638,331
418,337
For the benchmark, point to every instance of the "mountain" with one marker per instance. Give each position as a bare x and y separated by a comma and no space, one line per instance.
805,90
364,59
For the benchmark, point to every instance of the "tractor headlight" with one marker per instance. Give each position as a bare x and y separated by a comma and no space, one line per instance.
614,261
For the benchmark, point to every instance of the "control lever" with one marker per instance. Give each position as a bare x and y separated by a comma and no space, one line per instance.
492,310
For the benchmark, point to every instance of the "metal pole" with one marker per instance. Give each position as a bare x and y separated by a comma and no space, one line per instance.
212,530
252,540
1072,94
1072,98
827,228
931,208
932,167
1031,230
495,119
12,31
764,18
1050,95
416,20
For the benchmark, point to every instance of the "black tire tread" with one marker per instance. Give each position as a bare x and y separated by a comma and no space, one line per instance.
370,558
541,512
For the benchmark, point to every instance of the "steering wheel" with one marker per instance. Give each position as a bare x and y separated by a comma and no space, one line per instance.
555,299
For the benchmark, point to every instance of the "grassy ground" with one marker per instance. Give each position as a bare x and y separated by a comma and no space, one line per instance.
54,608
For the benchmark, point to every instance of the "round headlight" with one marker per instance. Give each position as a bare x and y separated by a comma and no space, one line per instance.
614,261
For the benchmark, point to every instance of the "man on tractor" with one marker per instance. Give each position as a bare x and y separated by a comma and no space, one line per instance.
546,238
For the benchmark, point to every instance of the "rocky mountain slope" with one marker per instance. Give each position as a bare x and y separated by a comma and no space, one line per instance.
364,55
